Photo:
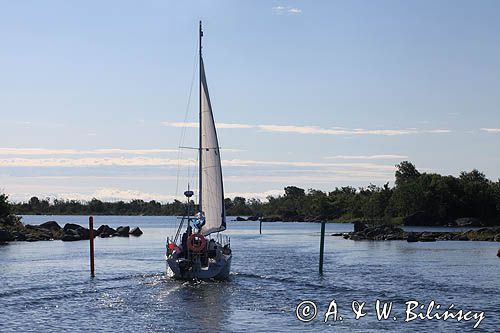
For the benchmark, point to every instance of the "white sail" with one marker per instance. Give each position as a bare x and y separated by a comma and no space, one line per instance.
212,192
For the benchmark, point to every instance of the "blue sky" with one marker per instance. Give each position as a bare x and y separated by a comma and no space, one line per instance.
316,94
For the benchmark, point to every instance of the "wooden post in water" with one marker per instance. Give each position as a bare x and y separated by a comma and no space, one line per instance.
260,226
91,237
321,247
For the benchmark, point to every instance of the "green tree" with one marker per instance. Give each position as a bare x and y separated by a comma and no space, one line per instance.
406,172
294,192
5,207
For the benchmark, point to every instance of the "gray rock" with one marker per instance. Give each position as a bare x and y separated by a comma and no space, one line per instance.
392,237
50,225
359,226
71,226
5,236
71,235
273,218
355,237
105,231
84,233
75,232
412,237
468,222
19,236
122,231
136,232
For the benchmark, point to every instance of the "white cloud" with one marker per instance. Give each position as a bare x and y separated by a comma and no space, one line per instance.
255,195
44,151
104,194
491,130
30,124
332,177
315,129
116,194
280,10
318,130
367,157
243,163
91,162
159,162
438,131
195,125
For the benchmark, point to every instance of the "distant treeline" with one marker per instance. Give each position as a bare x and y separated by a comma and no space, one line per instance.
441,198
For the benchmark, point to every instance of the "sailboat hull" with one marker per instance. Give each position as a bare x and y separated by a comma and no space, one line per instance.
182,269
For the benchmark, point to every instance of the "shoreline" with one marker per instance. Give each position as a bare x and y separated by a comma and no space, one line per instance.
12,229
389,232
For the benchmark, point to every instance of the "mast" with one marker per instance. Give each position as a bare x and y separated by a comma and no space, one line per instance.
199,148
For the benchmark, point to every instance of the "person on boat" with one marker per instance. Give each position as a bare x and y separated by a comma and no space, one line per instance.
185,237
199,221
212,246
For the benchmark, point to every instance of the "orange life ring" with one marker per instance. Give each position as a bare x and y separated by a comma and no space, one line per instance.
196,246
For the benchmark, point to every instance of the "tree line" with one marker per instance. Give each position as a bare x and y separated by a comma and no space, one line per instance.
441,198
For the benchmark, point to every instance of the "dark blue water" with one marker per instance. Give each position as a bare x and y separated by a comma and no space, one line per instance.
45,286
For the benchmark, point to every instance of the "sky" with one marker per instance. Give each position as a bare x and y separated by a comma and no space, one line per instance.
97,96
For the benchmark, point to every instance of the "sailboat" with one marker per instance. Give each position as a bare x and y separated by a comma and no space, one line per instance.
202,251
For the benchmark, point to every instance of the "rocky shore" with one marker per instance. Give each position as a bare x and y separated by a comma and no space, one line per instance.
390,232
12,229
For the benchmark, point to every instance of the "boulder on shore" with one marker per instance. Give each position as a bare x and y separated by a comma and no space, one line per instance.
12,229
19,236
105,231
136,232
122,231
240,219
377,232
359,226
5,236
74,232
390,232
468,222
71,226
50,225
272,218
71,235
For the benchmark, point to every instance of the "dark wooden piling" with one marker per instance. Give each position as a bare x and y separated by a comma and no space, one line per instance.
91,238
321,247
260,227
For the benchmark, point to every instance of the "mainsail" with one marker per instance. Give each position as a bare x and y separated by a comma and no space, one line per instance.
212,193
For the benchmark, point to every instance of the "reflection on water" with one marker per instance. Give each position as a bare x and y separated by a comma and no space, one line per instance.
46,285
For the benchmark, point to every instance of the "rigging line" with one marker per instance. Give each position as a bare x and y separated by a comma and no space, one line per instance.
195,169
183,131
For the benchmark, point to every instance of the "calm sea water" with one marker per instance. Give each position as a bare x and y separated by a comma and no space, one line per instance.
45,286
